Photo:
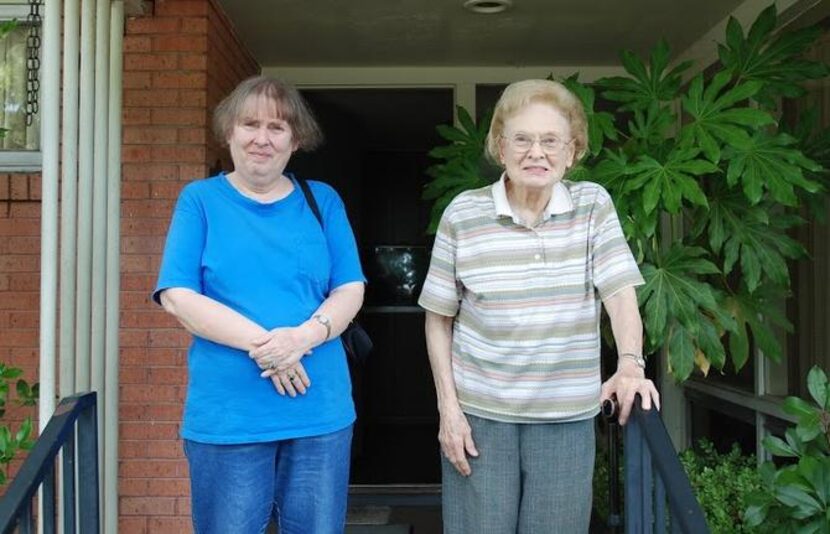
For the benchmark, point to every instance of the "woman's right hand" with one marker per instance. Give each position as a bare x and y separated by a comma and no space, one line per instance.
290,381
456,439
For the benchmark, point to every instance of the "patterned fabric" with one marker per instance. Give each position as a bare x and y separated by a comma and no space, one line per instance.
526,300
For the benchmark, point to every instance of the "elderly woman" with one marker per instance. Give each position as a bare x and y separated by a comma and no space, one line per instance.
512,301
265,291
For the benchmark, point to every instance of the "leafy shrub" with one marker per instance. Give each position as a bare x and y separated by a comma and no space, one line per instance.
10,441
722,484
796,497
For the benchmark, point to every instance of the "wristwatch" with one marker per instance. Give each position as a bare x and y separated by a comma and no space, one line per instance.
324,320
637,358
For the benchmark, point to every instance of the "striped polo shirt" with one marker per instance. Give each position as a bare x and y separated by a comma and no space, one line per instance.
526,300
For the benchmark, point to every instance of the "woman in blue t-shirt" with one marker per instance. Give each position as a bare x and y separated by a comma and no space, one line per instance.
266,292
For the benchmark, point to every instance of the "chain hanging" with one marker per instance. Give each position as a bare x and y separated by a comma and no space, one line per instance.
33,60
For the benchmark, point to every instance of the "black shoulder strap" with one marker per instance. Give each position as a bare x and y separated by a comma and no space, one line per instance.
312,202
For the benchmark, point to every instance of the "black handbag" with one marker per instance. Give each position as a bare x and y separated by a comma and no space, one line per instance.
355,340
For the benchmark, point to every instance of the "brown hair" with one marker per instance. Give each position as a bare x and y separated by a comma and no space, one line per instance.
289,103
517,95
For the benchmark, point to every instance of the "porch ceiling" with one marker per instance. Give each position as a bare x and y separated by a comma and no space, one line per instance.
443,33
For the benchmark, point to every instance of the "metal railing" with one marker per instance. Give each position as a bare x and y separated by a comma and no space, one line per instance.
654,477
74,417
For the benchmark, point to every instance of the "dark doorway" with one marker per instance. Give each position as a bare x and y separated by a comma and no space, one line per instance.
375,155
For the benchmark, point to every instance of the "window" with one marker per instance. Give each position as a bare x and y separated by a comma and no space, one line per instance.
20,144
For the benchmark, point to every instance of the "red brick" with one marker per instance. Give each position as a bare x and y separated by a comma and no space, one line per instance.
146,208
132,487
167,375
183,506
189,154
151,98
34,187
133,62
133,338
166,449
5,187
192,136
165,189
137,43
28,281
137,80
131,116
8,227
179,116
192,172
152,506
144,227
132,525
194,98
194,25
24,319
133,375
149,171
145,392
179,80
165,8
170,525
177,337
135,190
152,135
179,43
17,263
135,153
26,210
155,412
193,62
19,187
154,24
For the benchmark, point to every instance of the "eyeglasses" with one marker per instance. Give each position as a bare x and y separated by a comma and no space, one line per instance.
550,144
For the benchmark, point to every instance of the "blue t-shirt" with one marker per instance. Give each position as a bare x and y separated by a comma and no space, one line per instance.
272,263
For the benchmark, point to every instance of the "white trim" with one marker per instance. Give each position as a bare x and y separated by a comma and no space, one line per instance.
342,77
767,404
12,11
21,161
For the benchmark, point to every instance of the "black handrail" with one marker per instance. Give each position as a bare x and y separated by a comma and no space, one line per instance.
39,470
654,475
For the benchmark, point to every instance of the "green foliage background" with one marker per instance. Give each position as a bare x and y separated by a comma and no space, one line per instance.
707,164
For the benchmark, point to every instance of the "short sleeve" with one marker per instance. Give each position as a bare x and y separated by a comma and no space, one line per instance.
345,258
442,292
182,259
613,264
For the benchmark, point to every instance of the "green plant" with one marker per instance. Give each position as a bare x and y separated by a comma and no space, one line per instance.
722,483
13,441
725,180
796,498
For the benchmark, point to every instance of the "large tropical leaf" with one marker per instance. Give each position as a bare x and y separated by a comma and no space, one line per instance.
769,162
754,237
647,84
675,292
756,314
814,142
667,183
600,123
717,116
769,57
464,166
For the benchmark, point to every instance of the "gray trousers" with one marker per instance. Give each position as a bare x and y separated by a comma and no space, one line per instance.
528,479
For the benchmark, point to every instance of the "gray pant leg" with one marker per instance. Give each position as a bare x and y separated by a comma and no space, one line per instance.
557,468
486,502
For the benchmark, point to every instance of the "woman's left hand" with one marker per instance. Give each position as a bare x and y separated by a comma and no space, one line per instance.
280,349
625,384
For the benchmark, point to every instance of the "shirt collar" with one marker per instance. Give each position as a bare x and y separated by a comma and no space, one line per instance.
560,200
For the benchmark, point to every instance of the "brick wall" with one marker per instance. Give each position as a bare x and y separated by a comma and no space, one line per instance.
19,283
178,63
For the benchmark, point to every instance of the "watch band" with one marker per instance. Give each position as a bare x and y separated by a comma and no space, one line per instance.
324,320
638,359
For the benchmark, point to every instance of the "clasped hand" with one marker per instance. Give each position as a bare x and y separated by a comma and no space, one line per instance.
278,354
624,385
